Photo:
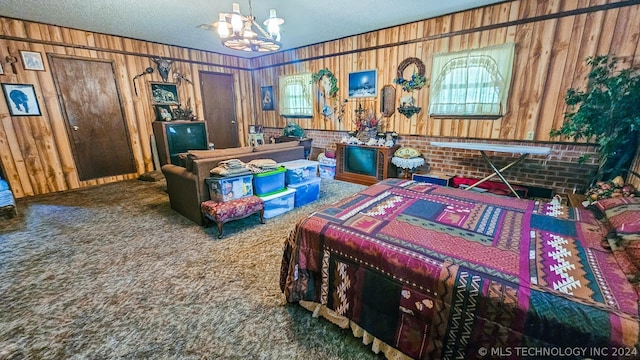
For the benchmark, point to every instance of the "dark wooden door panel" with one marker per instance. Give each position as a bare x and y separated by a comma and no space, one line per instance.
219,109
94,115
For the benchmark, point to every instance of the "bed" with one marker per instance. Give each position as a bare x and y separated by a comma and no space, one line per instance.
427,272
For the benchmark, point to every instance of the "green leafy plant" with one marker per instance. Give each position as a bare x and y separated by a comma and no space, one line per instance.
293,129
333,82
608,112
416,82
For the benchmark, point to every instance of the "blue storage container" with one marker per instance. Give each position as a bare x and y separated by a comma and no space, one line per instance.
298,171
327,171
269,182
433,178
306,192
278,203
226,188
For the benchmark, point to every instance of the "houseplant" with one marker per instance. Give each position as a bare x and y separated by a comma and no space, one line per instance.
607,111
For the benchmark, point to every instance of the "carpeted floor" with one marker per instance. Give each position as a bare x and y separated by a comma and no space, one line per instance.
113,272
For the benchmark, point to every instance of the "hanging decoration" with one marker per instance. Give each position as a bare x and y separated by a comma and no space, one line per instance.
329,85
164,66
416,82
146,71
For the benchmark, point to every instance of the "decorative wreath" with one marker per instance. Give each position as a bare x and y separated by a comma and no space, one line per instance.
332,78
417,80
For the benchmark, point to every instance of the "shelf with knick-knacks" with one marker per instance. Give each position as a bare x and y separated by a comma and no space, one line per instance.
408,107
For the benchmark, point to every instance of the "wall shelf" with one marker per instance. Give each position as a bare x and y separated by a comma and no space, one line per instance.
409,111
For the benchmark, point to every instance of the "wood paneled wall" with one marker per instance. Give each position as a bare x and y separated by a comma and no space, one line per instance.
552,40
35,151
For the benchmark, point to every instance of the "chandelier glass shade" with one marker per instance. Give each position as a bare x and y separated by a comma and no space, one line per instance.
240,32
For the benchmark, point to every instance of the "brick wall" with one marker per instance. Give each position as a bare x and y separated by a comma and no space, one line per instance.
558,171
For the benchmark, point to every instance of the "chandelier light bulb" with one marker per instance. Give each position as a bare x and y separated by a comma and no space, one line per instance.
236,23
273,23
223,27
240,32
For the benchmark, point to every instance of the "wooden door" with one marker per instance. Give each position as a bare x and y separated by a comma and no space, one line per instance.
94,116
219,109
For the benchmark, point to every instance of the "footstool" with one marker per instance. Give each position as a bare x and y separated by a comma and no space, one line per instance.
222,212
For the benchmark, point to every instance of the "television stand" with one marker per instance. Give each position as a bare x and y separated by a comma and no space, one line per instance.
350,166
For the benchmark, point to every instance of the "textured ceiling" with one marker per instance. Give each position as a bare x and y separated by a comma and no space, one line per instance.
175,22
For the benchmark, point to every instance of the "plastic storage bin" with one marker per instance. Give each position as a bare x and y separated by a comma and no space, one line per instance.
268,183
278,203
327,171
307,191
298,171
433,178
228,188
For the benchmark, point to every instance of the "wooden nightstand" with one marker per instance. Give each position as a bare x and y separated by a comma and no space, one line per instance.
575,200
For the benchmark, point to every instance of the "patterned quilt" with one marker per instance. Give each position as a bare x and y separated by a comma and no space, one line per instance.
438,272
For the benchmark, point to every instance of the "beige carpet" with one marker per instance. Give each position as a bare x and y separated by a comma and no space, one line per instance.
113,272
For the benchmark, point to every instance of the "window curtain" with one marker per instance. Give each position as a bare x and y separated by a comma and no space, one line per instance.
473,82
296,95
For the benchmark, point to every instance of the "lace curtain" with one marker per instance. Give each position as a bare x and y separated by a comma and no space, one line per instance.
296,95
472,83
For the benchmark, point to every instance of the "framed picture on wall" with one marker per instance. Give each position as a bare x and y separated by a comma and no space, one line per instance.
363,83
266,94
32,60
163,113
164,93
21,99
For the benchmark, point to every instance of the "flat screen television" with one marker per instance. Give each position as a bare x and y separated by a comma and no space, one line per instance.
185,136
360,160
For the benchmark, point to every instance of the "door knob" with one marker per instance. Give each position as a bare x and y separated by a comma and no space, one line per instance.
75,128
233,122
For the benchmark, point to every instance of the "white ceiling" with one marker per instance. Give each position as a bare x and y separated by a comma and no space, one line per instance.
175,22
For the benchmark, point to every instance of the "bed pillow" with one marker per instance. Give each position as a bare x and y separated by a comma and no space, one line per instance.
625,257
622,213
623,216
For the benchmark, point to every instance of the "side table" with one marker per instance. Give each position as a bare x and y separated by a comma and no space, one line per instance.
407,164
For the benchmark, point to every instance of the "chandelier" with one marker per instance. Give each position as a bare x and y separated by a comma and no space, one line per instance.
237,31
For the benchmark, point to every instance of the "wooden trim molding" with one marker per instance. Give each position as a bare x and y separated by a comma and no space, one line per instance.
557,15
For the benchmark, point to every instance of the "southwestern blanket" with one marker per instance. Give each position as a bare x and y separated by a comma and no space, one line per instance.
438,272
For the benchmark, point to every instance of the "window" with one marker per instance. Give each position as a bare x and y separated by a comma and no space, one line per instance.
296,95
471,83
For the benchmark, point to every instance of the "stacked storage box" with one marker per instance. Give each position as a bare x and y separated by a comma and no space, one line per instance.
270,182
307,191
302,176
269,186
227,188
298,171
278,203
